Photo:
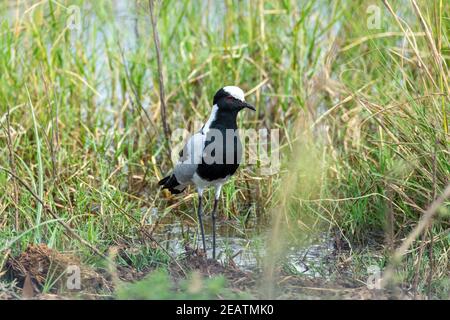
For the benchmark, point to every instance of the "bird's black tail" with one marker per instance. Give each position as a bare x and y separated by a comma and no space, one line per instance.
171,183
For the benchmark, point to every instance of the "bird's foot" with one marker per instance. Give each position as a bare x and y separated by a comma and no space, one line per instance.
200,252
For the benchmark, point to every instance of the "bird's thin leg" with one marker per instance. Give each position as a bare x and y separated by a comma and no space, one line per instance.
214,226
213,216
199,213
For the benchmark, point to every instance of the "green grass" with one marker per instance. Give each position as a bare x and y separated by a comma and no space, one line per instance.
368,122
192,288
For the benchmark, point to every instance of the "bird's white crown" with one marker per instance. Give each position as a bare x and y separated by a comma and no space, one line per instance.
236,92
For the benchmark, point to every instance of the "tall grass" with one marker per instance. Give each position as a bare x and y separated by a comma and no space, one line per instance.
363,115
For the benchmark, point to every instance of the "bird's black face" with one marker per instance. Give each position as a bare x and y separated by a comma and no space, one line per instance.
231,99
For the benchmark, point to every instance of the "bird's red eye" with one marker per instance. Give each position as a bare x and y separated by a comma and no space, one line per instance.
230,98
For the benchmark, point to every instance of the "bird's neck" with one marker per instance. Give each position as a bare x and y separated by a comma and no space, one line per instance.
221,119
225,119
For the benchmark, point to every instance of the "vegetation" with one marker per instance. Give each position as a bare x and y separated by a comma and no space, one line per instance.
362,110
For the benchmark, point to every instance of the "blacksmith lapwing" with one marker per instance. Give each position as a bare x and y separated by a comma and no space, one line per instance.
212,155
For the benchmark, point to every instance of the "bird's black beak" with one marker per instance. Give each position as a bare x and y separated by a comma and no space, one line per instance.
248,105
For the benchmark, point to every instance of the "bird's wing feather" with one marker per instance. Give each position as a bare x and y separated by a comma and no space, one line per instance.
190,157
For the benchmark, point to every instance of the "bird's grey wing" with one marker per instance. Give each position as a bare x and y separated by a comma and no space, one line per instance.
190,158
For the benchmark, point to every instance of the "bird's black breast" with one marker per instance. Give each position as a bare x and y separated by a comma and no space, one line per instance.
220,158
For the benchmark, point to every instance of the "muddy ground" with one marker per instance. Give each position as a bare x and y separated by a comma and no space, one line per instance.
24,277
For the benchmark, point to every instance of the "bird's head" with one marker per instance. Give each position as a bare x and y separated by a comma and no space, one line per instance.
231,98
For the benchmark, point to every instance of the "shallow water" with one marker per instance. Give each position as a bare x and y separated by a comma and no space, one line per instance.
245,249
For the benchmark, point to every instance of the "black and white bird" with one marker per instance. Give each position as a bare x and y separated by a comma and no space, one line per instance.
212,155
